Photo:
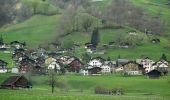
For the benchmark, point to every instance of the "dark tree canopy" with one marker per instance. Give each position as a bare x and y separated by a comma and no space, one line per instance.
95,37
164,57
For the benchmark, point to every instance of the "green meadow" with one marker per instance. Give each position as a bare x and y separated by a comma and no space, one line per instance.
71,87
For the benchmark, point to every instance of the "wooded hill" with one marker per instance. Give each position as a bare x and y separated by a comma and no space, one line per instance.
69,22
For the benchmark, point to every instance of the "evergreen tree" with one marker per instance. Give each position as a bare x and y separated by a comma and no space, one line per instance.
1,39
164,57
95,37
108,59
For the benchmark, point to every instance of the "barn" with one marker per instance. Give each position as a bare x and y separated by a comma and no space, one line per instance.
154,74
14,82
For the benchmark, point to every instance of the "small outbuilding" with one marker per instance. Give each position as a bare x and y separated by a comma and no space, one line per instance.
14,82
154,74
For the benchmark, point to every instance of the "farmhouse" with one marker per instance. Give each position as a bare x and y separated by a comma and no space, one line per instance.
3,66
16,82
132,68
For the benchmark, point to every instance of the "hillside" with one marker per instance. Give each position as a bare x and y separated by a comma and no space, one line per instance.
42,29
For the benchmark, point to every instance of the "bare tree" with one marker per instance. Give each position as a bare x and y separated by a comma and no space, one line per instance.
7,11
87,22
52,80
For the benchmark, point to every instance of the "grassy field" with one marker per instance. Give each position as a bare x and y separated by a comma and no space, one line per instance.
82,88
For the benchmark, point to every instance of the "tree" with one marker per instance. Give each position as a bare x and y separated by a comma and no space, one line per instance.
7,11
95,37
119,38
67,21
67,44
24,12
87,22
116,12
34,6
52,79
1,39
86,57
164,57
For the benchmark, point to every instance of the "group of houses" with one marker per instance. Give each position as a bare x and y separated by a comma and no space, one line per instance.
40,61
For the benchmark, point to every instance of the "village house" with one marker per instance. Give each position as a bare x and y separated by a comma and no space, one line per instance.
161,65
40,61
132,68
132,33
106,68
147,64
90,48
75,66
96,62
17,44
39,67
31,53
121,62
119,69
66,59
3,66
111,64
54,65
26,65
14,82
98,66
3,46
18,54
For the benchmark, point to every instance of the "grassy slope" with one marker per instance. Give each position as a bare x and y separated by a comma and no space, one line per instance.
39,29
34,31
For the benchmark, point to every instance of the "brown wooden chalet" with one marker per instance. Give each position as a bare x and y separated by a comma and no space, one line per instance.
14,82
133,68
26,65
75,66
154,74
